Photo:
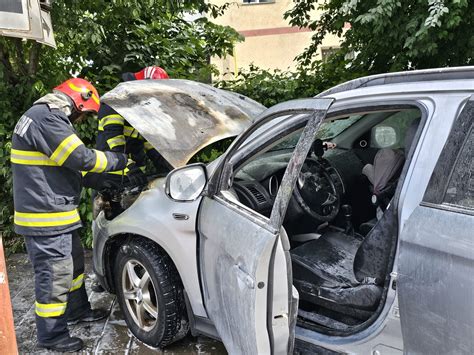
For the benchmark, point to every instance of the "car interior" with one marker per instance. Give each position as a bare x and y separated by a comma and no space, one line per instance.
340,220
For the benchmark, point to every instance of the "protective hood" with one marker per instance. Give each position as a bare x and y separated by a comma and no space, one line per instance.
57,100
180,117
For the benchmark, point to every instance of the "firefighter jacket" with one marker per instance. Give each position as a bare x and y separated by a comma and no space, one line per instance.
117,135
47,159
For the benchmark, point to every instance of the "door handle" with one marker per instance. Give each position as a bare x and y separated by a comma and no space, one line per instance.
180,216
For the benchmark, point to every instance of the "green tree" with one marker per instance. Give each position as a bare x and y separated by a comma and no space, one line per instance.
99,40
265,86
392,35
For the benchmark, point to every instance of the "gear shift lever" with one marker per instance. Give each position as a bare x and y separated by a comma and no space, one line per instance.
347,213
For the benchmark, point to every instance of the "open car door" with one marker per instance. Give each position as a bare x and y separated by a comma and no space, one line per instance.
244,257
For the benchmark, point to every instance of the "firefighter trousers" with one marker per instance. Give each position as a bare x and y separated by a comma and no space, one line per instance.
58,263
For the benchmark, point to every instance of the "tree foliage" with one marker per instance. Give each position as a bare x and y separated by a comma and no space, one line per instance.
391,35
265,86
99,40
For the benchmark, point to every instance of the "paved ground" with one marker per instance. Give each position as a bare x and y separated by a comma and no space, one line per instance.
108,336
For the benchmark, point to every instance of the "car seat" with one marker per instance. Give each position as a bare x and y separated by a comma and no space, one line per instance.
384,174
347,273
344,273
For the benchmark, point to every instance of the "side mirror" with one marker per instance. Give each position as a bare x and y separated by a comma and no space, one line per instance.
186,183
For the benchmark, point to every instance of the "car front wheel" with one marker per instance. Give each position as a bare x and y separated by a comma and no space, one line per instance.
150,293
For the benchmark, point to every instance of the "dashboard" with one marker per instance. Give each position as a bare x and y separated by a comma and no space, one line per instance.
257,195
257,183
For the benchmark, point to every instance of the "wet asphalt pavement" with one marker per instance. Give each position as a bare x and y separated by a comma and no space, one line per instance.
105,337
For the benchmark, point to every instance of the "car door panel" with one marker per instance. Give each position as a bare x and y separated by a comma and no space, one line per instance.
233,268
436,259
436,284
279,315
241,251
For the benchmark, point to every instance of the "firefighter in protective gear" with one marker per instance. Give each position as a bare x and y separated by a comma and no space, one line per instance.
117,135
47,158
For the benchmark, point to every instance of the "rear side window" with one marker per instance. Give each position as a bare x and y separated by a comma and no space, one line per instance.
452,181
460,191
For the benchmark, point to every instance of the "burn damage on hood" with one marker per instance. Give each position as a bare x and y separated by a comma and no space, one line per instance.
180,117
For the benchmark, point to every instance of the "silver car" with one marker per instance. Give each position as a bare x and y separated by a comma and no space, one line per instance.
340,223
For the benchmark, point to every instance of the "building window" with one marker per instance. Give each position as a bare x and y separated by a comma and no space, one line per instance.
257,1
326,52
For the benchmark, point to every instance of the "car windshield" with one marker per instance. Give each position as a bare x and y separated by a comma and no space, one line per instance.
328,130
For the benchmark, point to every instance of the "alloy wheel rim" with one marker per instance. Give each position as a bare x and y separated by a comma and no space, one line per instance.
140,294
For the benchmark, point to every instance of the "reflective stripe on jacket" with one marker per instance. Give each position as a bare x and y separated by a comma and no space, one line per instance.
117,135
47,157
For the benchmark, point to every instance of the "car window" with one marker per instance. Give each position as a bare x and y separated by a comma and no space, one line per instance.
391,132
288,143
327,130
460,191
452,181
252,184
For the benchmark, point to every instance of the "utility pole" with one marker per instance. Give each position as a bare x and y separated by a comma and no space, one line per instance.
7,327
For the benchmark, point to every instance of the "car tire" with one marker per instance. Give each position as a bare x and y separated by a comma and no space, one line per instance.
150,293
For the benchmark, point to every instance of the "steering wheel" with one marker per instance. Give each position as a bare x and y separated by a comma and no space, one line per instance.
316,193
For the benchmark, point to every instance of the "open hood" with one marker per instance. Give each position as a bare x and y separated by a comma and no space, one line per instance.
180,117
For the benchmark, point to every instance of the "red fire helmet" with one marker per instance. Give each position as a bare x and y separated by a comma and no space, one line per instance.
82,93
151,73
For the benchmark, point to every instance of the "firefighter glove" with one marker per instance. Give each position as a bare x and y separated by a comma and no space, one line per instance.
136,176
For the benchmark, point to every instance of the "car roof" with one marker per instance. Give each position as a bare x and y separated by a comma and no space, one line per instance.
455,75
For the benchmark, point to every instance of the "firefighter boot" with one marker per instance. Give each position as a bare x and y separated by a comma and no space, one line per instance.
70,344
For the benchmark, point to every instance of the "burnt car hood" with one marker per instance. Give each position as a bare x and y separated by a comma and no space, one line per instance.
180,117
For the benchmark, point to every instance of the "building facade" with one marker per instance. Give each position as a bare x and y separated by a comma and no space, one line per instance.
269,41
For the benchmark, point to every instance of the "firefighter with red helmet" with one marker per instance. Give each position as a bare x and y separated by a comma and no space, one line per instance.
47,158
117,135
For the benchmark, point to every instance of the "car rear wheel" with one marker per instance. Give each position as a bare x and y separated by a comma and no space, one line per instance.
150,293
